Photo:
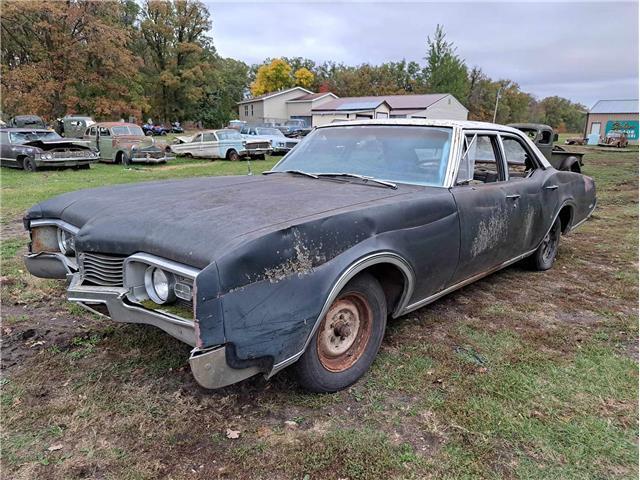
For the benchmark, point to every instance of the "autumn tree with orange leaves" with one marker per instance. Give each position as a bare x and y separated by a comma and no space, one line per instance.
68,57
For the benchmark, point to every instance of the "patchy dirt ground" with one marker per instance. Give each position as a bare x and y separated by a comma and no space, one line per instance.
520,375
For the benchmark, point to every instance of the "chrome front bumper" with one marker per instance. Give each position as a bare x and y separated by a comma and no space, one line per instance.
121,310
145,159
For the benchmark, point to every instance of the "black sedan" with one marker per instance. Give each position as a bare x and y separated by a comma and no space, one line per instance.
31,149
302,266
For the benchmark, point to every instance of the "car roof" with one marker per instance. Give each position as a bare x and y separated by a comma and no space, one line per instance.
422,122
114,124
25,129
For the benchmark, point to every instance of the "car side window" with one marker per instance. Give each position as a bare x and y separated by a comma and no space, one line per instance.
222,135
197,138
208,137
92,131
104,132
479,163
519,162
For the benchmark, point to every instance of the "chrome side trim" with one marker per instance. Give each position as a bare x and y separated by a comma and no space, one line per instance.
442,293
356,267
54,221
163,263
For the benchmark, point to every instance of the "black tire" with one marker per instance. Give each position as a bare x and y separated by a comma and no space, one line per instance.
148,133
188,155
233,155
123,159
545,255
322,370
29,165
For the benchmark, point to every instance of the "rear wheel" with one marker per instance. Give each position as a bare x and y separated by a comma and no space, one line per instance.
233,155
545,256
348,339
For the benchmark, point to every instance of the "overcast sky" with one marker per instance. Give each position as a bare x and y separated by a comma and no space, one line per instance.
582,51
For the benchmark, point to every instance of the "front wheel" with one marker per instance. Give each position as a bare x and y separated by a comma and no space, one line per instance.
545,255
29,165
348,339
233,156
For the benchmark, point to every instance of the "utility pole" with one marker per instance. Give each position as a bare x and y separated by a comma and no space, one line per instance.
495,110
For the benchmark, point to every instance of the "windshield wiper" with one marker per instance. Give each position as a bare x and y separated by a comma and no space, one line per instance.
295,172
364,178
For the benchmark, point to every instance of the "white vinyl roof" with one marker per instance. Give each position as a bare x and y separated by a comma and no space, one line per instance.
615,106
425,122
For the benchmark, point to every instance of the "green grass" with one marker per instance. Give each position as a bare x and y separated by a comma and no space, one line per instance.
521,375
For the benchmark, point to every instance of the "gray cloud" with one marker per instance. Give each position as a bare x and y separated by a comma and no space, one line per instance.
582,51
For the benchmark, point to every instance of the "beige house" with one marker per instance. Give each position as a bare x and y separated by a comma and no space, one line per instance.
278,107
439,106
608,115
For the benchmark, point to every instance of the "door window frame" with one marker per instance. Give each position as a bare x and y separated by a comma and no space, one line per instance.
497,148
532,156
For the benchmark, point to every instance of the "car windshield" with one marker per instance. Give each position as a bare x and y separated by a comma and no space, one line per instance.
269,131
24,137
404,154
127,130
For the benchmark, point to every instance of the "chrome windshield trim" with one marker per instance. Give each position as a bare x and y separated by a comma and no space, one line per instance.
54,222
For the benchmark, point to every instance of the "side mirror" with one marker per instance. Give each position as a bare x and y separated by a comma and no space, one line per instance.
555,137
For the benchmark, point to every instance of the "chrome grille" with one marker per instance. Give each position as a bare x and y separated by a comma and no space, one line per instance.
258,145
71,154
101,269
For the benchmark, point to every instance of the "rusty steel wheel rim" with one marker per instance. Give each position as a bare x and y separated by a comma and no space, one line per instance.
344,332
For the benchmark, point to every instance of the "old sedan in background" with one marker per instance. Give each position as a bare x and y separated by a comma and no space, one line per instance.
301,266
279,142
125,143
31,149
220,144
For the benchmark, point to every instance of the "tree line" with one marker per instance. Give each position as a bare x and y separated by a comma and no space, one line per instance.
156,59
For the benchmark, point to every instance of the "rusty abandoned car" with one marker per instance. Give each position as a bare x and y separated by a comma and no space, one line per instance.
125,143
31,149
302,265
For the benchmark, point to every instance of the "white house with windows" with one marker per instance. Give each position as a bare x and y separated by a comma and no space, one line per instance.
278,107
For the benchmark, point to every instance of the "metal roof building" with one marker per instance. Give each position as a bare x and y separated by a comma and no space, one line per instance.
613,115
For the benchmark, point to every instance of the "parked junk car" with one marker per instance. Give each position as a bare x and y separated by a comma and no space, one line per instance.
615,139
27,121
279,142
236,124
72,126
212,144
121,142
294,128
31,149
176,128
301,266
543,136
157,130
575,141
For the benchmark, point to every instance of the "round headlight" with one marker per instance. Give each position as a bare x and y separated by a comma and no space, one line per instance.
66,242
159,285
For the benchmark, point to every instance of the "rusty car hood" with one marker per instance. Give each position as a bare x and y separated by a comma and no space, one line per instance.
193,221
146,143
62,143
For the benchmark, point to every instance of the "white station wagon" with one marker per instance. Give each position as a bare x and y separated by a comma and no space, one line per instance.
214,144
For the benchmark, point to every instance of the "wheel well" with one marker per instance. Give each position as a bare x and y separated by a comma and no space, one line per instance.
119,156
20,159
565,215
392,281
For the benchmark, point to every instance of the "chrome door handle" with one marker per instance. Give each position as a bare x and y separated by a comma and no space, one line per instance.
551,187
513,197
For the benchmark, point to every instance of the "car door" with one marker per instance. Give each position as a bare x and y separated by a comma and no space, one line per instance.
210,145
534,198
105,143
484,208
7,156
